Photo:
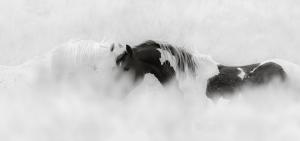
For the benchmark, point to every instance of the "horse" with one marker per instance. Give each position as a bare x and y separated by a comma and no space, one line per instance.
79,56
75,62
166,62
233,78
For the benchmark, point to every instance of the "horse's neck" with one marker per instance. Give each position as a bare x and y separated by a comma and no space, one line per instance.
206,66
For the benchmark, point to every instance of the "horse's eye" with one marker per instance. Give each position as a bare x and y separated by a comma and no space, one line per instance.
126,69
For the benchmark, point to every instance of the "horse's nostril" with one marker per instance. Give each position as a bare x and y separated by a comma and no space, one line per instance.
126,69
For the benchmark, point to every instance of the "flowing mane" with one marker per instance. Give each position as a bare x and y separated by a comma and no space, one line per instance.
182,58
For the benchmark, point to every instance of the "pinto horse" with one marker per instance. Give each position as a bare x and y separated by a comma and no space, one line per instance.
233,78
147,58
166,62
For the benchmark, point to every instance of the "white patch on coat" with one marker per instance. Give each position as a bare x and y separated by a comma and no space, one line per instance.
242,73
167,56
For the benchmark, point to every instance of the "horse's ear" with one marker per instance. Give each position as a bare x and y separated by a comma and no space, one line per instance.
129,50
112,47
220,67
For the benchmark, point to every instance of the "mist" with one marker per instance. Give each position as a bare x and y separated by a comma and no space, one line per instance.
35,106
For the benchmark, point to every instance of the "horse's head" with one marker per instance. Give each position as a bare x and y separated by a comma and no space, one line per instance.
128,61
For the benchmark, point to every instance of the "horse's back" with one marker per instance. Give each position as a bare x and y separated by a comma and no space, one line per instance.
233,78
267,72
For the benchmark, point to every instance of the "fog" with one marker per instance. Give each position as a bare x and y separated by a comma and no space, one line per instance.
41,101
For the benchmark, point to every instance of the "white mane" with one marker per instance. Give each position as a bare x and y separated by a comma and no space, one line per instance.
177,59
196,64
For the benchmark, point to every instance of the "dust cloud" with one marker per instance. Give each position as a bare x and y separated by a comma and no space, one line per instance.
41,100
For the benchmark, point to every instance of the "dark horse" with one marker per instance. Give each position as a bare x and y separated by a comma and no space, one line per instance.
155,58
232,78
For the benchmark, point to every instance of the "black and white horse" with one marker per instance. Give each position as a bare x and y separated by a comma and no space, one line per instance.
161,60
167,63
233,78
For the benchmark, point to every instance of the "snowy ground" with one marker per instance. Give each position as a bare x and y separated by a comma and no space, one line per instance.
232,32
